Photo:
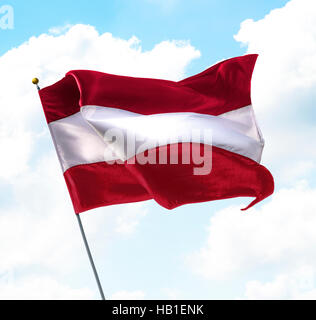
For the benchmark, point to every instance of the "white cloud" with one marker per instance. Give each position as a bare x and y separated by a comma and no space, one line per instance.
277,237
41,228
295,285
294,171
16,145
284,81
39,222
128,221
38,229
172,294
41,288
49,57
126,295
280,232
59,29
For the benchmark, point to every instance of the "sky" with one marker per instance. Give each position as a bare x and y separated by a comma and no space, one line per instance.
142,251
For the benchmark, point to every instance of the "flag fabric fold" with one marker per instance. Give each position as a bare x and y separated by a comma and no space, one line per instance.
85,106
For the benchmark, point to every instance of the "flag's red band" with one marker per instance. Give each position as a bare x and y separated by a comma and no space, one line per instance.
232,175
220,89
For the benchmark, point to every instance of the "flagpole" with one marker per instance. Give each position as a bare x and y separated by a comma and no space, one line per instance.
35,81
90,257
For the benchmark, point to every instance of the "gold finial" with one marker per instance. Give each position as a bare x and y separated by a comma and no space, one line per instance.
36,82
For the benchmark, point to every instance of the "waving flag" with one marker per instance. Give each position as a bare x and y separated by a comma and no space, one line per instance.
92,117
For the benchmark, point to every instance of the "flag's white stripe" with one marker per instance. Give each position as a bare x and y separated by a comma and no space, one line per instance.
79,138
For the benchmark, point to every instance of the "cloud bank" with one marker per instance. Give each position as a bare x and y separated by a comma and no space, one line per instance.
38,231
277,238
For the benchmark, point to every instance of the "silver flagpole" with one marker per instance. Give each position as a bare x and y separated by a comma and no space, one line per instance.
90,257
36,82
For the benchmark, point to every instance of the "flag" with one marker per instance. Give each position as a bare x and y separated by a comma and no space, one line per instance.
122,139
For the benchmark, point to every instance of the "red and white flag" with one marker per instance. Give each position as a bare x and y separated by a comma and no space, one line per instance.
122,139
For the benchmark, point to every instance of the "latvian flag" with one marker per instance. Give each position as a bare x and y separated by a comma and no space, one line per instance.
122,139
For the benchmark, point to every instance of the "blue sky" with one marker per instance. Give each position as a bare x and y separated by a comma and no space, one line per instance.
209,25
203,251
